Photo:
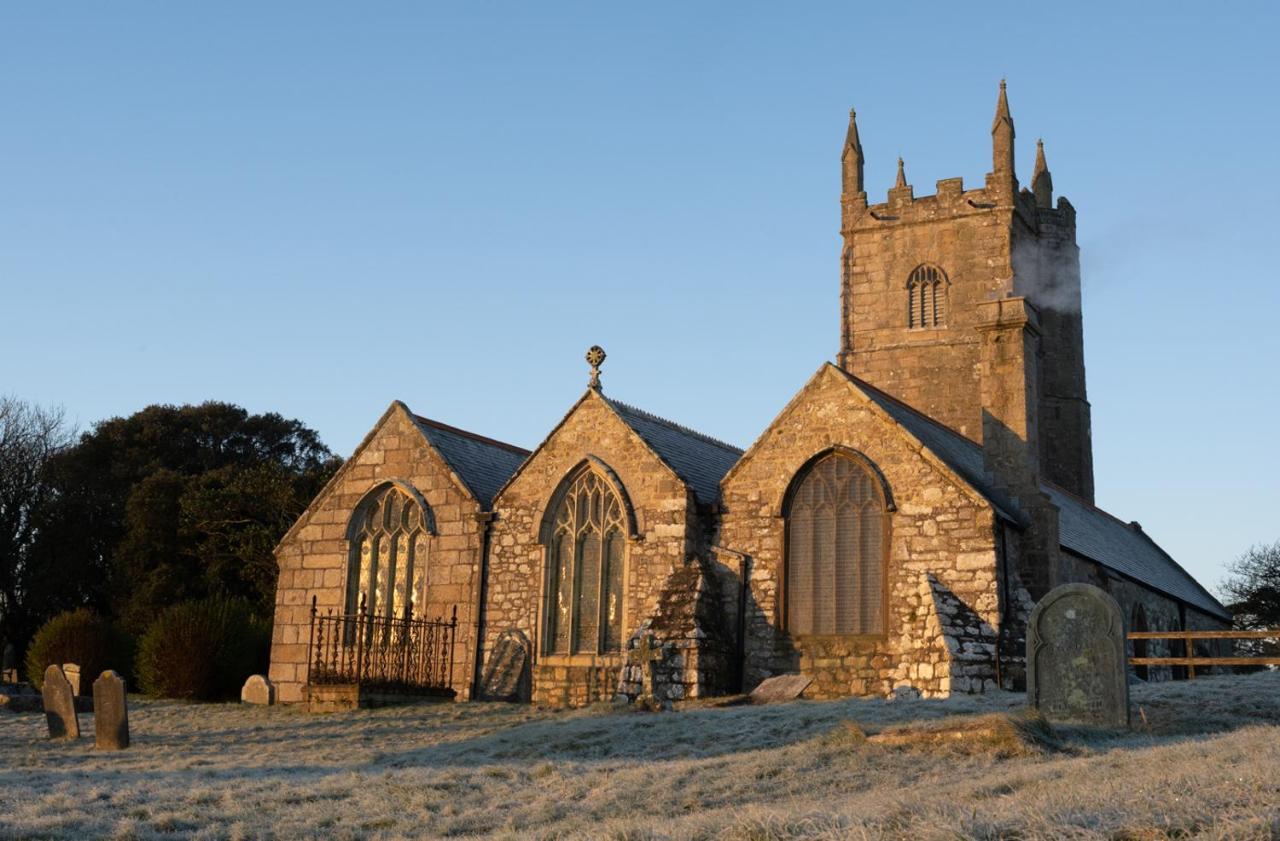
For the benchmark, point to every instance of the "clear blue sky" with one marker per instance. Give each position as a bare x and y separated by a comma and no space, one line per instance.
317,208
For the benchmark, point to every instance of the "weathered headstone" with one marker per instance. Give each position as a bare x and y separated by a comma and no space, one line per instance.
506,676
72,673
110,712
1076,667
780,688
258,690
59,705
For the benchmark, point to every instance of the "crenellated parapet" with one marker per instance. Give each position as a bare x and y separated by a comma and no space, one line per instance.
919,340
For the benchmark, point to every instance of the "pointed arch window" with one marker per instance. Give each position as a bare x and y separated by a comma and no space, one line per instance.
837,525
927,297
583,601
387,568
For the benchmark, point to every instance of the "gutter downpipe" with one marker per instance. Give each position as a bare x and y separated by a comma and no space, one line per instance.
485,519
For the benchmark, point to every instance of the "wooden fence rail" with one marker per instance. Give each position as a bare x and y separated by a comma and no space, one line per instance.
1189,638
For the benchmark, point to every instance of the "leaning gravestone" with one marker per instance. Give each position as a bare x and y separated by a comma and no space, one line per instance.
258,690
780,688
506,677
72,672
110,712
1076,667
59,705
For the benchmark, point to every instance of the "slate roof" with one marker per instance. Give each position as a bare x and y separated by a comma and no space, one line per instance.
958,452
700,460
1125,548
483,464
1084,529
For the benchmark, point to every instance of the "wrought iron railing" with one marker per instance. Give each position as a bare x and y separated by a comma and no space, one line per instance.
382,653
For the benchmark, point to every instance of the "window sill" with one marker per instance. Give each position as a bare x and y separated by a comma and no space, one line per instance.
876,637
611,658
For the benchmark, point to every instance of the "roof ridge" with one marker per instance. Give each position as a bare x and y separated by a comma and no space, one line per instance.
672,424
435,424
912,409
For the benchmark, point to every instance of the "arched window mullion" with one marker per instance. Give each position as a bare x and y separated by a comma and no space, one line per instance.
835,550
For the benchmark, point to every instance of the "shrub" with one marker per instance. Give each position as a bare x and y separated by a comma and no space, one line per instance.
203,650
81,637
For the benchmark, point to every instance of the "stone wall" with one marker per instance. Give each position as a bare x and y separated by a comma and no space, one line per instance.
932,369
1163,613
314,555
990,243
943,604
666,528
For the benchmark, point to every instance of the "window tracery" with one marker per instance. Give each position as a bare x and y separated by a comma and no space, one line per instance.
388,555
836,527
584,565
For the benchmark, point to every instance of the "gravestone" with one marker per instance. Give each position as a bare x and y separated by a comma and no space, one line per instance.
507,677
110,712
72,673
1076,666
258,690
59,705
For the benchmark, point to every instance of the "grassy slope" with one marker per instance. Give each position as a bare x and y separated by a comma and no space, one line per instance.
1207,764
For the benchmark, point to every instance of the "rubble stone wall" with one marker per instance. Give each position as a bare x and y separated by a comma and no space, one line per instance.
941,572
517,567
314,556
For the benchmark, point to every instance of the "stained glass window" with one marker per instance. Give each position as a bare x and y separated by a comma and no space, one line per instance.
584,567
388,554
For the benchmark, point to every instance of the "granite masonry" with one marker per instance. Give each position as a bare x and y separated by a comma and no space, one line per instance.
888,534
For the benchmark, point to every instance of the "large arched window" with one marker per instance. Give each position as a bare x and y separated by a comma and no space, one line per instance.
583,606
388,554
836,538
927,297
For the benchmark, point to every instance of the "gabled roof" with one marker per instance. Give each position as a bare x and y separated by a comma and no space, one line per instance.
483,464
700,460
1083,529
956,451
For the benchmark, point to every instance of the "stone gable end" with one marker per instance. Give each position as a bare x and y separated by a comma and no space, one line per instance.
314,555
665,520
941,569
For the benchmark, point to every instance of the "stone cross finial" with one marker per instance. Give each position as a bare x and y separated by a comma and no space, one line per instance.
595,358
902,176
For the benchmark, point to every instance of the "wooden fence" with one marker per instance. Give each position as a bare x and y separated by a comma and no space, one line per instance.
1189,660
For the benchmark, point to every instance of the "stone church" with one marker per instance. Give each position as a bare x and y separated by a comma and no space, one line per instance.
892,527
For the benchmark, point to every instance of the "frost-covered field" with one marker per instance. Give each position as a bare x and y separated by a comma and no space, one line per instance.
1206,765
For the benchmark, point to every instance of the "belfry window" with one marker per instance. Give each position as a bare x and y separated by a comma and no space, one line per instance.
388,554
927,297
583,606
836,538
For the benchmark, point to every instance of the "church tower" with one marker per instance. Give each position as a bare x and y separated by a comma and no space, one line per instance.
937,289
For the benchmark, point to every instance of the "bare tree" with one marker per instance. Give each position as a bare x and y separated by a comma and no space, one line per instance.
29,436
